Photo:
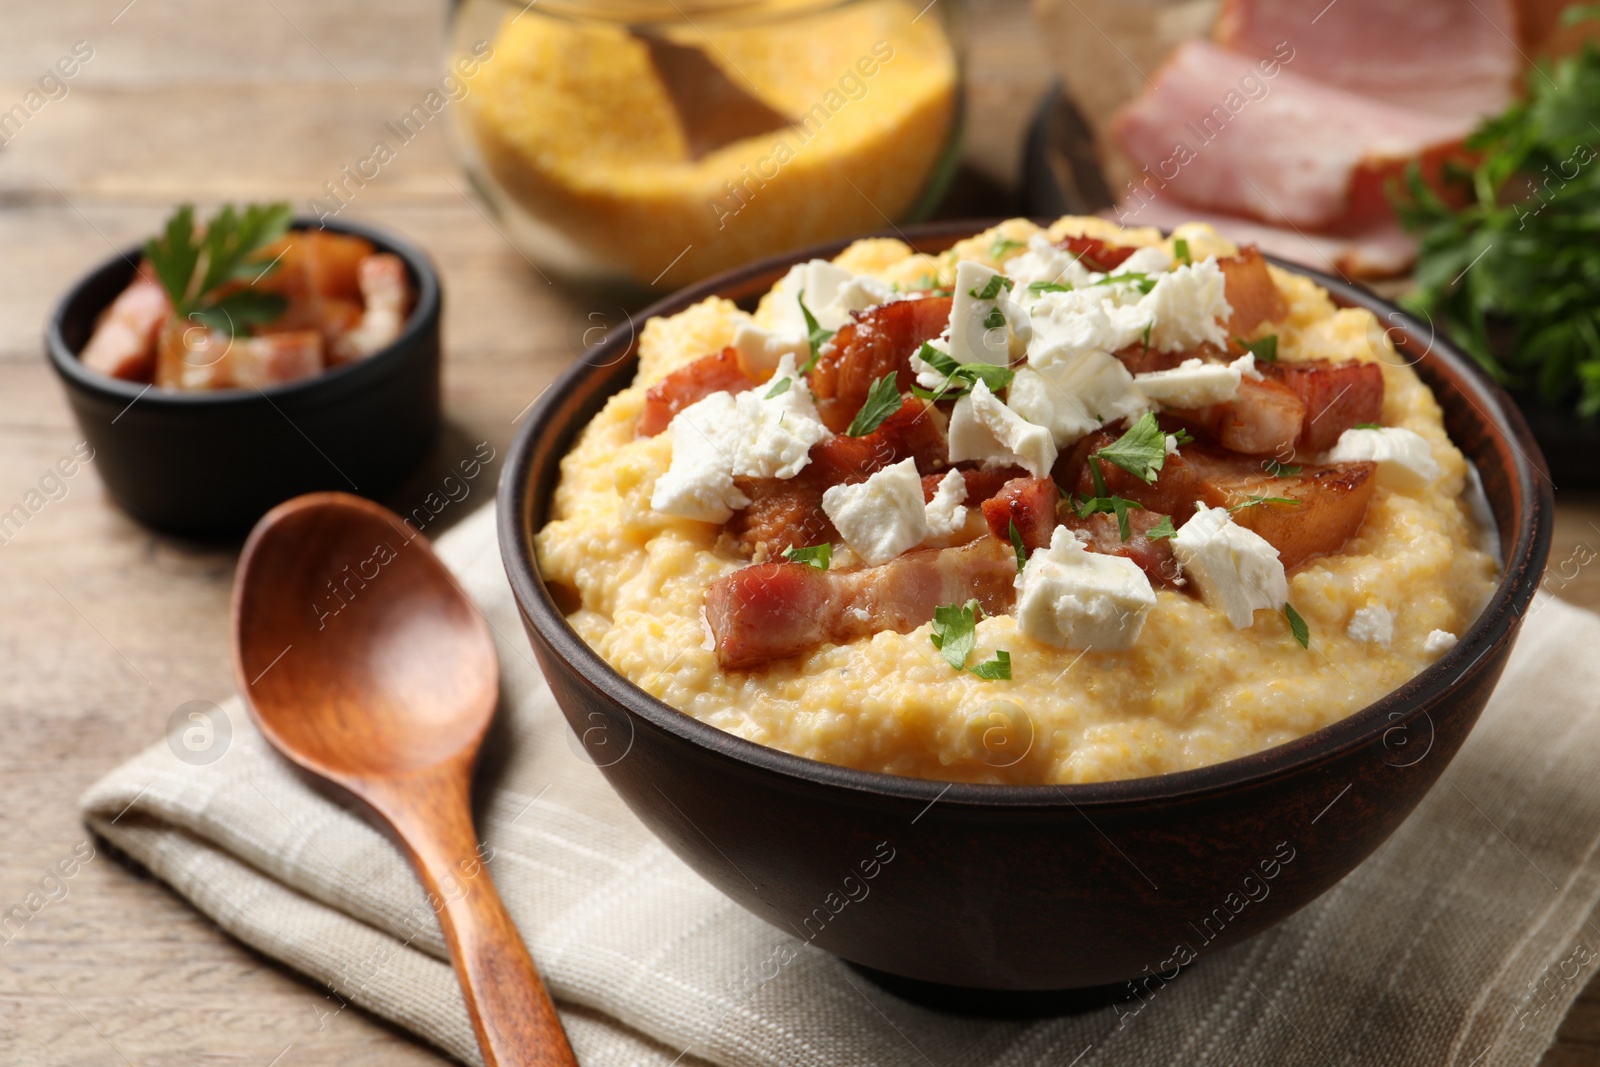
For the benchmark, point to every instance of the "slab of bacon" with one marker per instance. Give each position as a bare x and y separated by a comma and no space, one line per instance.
771,611
716,373
1034,506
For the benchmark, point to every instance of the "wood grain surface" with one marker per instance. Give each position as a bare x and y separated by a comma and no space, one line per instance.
108,628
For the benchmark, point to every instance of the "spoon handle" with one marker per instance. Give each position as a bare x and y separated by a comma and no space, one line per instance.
510,1008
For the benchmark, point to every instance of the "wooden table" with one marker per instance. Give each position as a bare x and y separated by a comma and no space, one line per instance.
108,628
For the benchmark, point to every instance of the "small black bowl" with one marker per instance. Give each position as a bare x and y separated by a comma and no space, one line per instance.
211,464
1029,888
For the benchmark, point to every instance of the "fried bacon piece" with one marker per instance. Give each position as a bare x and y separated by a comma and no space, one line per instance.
1252,293
1102,533
1331,502
124,341
1337,396
1332,499
878,341
1263,418
775,610
1095,254
783,513
689,383
1028,502
982,482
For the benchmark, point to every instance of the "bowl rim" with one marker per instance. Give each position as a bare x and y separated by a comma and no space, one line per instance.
1495,625
421,321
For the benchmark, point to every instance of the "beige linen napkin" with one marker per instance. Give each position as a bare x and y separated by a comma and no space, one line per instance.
1463,940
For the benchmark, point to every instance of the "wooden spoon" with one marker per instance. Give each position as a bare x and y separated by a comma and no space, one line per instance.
364,663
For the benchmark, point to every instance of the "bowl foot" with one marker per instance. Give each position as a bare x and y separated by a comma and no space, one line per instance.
994,1003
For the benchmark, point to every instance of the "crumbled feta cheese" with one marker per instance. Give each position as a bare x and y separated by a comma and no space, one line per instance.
1247,365
1073,598
1188,307
1195,383
1373,624
984,429
1043,262
1438,642
1152,259
882,516
1235,569
945,513
1172,444
980,329
1073,397
723,436
760,350
1069,326
831,294
699,483
1404,458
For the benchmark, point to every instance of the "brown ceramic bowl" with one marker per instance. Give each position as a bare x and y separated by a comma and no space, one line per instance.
1029,888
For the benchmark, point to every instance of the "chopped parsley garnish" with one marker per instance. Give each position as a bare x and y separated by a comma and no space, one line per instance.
1182,437
1141,451
779,387
1018,547
1297,625
1135,277
1281,470
995,320
818,556
1003,244
955,632
1161,530
192,266
1180,251
1367,426
1049,287
1257,501
814,333
996,285
1265,349
1147,327
960,377
1116,505
994,670
883,400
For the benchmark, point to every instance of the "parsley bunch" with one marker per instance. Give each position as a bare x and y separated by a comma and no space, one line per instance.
1513,274
193,265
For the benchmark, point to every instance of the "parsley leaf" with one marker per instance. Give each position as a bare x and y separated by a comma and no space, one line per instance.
1136,277
1018,547
1117,505
1265,349
1367,426
883,400
1503,268
1182,437
955,632
960,377
192,265
996,319
1161,530
814,333
996,285
1002,245
1297,625
1141,451
1049,287
1257,501
1281,470
779,387
994,670
1180,251
818,556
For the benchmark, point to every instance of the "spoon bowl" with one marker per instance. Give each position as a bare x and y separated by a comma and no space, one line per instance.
364,663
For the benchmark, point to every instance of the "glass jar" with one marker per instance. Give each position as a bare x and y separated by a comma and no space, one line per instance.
654,142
